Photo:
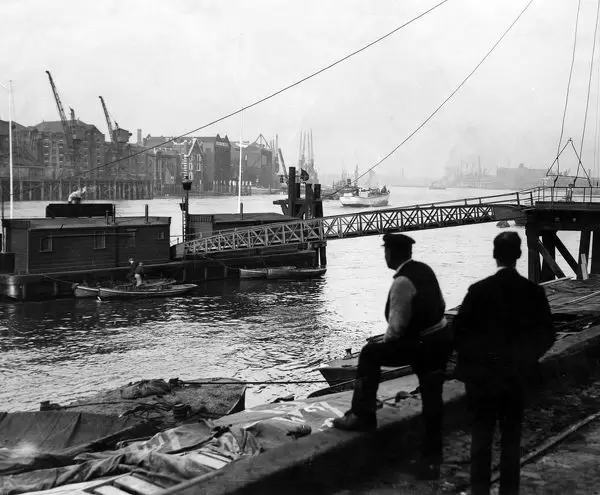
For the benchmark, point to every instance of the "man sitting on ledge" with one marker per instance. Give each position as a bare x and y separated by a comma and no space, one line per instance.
417,334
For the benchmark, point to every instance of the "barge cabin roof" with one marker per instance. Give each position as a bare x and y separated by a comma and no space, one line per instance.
82,223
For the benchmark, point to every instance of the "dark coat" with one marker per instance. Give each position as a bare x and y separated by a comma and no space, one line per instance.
502,328
139,270
131,271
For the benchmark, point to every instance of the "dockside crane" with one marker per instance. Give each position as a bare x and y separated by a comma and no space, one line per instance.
285,175
111,132
61,110
117,135
68,129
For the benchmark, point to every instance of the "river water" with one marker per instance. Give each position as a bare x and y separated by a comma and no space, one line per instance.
65,349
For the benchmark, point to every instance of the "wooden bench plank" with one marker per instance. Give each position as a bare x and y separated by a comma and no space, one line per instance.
137,485
108,490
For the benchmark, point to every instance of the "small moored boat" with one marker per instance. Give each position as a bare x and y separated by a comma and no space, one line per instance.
82,290
140,292
253,273
282,272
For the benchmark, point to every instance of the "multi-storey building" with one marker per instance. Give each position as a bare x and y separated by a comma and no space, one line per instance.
257,164
86,156
206,160
217,153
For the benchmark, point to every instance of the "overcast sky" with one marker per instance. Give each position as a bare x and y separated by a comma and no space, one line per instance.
168,67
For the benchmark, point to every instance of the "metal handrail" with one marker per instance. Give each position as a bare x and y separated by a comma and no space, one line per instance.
336,226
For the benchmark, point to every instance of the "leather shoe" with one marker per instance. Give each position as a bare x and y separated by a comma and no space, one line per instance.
353,422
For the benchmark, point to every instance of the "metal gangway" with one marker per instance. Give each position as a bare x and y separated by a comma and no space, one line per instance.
398,219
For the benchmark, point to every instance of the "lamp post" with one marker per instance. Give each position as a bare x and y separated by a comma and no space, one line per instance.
187,185
10,145
242,146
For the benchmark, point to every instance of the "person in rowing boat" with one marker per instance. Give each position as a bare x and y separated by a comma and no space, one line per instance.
131,271
503,327
417,334
139,274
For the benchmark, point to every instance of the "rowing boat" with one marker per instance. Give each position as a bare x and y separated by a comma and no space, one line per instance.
82,290
143,292
282,272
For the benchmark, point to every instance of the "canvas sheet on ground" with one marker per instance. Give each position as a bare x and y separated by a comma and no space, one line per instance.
317,412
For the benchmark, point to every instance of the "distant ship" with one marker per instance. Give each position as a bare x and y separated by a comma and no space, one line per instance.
365,197
437,185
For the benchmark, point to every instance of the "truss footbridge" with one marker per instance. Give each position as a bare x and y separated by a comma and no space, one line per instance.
373,222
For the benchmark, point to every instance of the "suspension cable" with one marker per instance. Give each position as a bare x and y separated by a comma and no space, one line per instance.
449,97
587,101
595,162
562,125
272,95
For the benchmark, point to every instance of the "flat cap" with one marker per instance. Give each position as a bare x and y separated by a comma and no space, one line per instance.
397,241
507,245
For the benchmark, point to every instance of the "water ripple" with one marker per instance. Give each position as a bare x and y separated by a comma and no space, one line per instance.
254,330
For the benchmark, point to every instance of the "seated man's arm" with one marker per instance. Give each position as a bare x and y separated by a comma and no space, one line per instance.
402,293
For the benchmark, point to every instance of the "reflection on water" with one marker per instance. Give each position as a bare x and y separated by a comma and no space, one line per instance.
250,329
228,328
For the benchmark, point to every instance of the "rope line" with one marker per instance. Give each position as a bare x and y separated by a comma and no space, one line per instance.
587,101
562,125
595,161
274,94
449,97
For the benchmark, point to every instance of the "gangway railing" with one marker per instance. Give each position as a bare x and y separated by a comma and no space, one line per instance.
402,218
372,222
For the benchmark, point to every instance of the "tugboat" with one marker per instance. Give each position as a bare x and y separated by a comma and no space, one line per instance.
366,197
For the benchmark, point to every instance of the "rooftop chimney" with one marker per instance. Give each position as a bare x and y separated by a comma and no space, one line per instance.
139,136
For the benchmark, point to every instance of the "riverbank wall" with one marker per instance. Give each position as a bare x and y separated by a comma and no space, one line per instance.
327,460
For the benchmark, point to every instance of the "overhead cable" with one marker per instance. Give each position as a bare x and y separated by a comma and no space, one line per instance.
587,100
562,125
282,90
449,97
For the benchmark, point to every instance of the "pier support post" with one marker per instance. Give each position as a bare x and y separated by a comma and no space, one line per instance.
562,249
595,265
533,257
584,249
323,256
548,251
549,264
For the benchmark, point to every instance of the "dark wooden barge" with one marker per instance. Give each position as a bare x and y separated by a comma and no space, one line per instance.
43,258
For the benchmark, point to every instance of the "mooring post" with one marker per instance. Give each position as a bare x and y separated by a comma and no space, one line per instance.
323,255
292,191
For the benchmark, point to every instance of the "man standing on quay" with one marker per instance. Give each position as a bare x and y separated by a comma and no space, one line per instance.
417,334
502,328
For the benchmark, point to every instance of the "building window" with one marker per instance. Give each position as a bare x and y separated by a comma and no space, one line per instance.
99,240
161,235
130,240
46,245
